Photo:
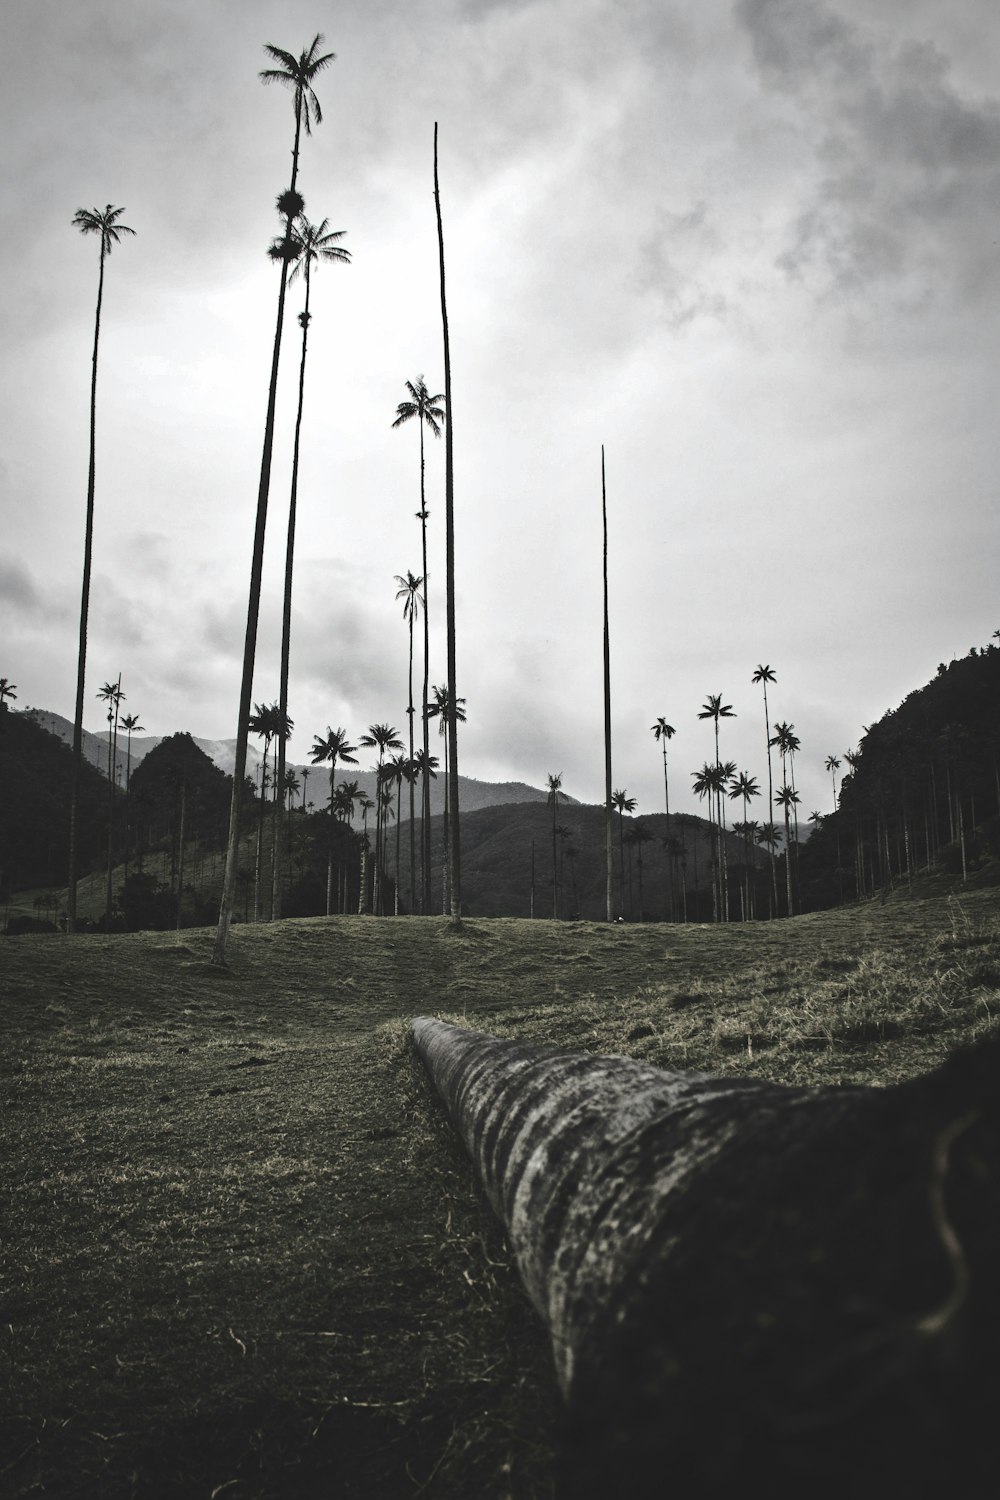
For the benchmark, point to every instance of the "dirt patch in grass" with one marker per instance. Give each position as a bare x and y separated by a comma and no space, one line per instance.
245,1255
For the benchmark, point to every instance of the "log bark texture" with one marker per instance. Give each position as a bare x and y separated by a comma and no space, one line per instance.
746,1283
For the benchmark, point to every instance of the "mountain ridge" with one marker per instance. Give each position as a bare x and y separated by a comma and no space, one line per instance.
474,794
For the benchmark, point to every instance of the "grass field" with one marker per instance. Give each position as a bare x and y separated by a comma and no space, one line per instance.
243,1254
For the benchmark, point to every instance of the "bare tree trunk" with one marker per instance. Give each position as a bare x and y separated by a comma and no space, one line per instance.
454,842
180,853
608,832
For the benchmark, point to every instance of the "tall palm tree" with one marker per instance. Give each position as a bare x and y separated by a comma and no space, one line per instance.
711,783
664,732
745,786
833,766
347,794
399,769
765,674
384,793
608,833
131,725
555,793
425,766
451,740
316,242
621,800
7,690
429,412
366,804
409,591
111,693
263,722
441,709
769,838
296,74
336,747
715,709
788,744
787,798
103,222
383,738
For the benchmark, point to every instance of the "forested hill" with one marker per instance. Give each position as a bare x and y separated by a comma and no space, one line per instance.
35,771
922,792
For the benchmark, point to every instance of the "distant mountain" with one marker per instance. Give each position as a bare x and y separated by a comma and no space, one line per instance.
472,794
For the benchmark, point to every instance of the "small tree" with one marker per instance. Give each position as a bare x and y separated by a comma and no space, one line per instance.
555,795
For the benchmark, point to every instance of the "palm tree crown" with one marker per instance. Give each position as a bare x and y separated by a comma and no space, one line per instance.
315,242
409,591
103,222
422,405
714,708
297,74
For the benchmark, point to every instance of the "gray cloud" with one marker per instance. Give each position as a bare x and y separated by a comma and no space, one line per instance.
673,262
905,168
22,597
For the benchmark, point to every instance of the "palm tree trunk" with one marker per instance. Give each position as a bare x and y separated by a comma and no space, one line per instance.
253,603
286,625
410,778
454,861
670,863
111,823
128,784
608,836
81,666
329,847
770,797
399,809
425,788
180,854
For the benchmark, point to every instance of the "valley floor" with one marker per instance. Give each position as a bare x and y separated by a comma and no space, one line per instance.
245,1255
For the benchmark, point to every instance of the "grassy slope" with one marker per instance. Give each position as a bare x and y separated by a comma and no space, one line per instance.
246,1257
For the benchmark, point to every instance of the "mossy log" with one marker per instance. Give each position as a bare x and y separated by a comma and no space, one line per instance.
745,1283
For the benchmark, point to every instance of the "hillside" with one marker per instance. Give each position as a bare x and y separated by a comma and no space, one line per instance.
35,772
507,865
921,795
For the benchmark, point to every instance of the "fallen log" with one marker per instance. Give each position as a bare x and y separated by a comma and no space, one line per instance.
745,1283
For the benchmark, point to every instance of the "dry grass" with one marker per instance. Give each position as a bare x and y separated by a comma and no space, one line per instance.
245,1256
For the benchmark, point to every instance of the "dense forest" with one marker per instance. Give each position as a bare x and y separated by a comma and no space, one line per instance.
921,794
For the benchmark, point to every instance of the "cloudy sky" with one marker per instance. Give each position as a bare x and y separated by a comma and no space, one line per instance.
751,246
